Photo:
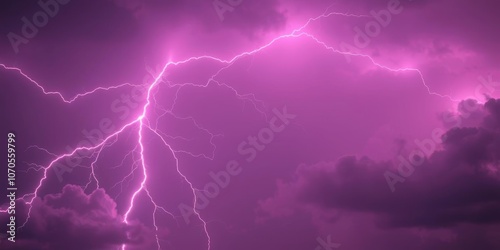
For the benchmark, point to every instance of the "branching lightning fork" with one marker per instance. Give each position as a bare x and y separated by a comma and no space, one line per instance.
142,123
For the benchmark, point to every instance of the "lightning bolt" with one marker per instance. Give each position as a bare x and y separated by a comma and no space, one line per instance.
59,94
142,124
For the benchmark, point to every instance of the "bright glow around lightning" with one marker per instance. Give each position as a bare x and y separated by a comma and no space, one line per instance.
142,124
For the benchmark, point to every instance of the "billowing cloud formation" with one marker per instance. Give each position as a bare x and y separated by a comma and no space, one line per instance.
459,184
75,220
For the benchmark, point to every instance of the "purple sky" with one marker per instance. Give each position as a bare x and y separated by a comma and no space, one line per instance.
351,125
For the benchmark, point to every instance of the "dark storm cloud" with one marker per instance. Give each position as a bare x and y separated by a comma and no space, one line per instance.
75,220
493,121
458,184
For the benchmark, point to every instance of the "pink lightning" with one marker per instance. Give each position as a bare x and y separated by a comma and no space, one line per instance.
143,124
61,96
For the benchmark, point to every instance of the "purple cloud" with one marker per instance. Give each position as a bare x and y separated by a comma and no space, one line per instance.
458,184
75,220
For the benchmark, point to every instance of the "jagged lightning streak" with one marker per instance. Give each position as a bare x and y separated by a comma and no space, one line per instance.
59,94
128,176
143,124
